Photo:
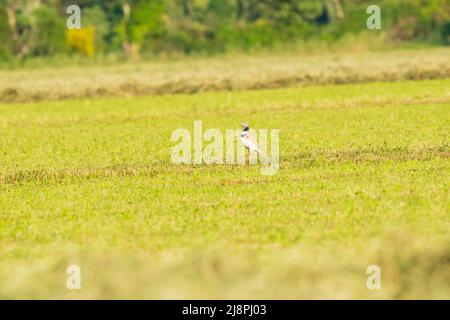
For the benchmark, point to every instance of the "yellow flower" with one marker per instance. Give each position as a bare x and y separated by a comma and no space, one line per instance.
81,40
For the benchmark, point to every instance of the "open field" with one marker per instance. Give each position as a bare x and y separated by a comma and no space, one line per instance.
364,180
235,72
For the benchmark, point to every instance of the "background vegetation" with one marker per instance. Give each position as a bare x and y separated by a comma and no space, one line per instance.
132,28
86,176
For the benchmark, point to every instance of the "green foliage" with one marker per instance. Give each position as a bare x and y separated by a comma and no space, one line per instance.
191,26
6,45
49,27
445,32
415,19
223,10
96,18
144,21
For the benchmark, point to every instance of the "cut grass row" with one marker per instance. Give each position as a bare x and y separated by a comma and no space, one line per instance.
216,74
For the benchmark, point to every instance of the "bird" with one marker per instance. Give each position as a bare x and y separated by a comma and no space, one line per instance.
247,140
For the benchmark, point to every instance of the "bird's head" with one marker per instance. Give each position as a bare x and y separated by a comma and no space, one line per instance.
245,126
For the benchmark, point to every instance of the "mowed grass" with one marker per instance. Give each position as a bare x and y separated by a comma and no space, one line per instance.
227,73
363,180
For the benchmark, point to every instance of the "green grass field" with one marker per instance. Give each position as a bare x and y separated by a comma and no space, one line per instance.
364,179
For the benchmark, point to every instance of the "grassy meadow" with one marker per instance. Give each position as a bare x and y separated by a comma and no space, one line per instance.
363,180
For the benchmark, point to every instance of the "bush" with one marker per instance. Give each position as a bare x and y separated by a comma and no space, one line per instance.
95,18
445,32
5,37
81,40
49,32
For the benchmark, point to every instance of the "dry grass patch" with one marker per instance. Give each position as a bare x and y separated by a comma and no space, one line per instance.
217,74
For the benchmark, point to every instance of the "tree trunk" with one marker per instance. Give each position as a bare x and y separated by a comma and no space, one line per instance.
129,48
339,10
186,8
239,9
11,12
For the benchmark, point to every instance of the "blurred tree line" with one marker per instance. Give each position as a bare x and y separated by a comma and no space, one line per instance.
140,27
